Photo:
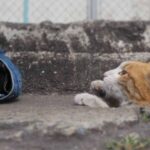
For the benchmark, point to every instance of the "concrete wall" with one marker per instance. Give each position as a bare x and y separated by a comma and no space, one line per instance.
58,57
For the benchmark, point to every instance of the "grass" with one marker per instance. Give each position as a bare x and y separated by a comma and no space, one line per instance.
130,142
145,116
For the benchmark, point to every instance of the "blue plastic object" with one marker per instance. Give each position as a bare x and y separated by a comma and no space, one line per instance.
10,79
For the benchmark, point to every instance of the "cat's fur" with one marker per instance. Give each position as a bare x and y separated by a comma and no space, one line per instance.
128,83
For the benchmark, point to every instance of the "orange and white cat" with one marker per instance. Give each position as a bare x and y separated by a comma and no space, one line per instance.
128,83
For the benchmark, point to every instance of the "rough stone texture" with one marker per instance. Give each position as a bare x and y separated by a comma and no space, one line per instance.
58,57
66,57
50,122
51,114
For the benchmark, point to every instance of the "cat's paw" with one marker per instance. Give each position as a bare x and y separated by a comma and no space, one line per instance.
96,85
97,88
89,100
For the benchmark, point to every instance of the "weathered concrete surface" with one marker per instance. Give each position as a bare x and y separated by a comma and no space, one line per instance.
57,57
54,122
59,111
66,57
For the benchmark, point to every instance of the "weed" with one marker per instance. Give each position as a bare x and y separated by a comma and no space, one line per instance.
130,142
144,115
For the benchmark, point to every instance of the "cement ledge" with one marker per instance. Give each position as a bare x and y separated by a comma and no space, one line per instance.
67,57
51,114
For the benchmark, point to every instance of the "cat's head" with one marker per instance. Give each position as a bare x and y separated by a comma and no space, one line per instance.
129,81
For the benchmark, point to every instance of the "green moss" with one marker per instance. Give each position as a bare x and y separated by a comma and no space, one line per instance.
145,114
130,142
145,117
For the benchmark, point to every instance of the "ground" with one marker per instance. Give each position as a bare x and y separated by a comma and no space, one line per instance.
53,122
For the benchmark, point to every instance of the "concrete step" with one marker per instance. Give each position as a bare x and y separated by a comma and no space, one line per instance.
53,122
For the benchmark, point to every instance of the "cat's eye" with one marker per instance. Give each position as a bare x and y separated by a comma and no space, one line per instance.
123,72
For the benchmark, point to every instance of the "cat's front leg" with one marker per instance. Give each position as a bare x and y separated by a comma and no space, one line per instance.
90,100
